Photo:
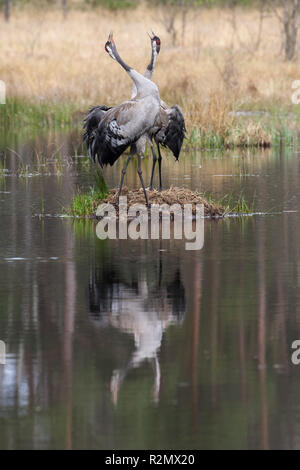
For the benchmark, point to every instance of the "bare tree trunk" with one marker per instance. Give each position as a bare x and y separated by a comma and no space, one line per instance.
183,21
168,16
289,21
7,10
170,23
64,8
260,27
290,28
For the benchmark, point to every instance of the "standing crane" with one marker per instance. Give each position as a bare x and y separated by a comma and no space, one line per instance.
97,113
168,130
170,135
123,125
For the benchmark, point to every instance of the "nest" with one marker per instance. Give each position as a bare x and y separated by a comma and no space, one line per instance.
169,196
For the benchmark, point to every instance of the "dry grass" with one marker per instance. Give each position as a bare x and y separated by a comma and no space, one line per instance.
250,135
43,58
169,196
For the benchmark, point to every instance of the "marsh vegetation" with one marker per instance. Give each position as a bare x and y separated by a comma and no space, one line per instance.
75,309
55,68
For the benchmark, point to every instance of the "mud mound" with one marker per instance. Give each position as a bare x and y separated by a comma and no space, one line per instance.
169,196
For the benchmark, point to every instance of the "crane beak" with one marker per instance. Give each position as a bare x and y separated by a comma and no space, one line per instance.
110,45
157,40
110,37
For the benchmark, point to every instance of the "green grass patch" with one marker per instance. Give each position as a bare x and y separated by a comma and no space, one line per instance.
241,134
85,204
17,113
232,204
263,130
199,138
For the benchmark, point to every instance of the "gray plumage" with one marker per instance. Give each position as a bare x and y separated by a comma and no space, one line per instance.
109,140
109,131
91,122
174,134
121,126
169,128
93,136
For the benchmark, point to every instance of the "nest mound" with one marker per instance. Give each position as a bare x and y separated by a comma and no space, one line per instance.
169,196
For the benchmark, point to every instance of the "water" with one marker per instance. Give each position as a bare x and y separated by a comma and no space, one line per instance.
142,344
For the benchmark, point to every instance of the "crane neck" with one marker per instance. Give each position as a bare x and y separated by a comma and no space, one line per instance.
121,61
140,82
151,66
148,72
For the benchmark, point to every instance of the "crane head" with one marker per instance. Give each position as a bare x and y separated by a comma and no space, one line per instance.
110,46
155,41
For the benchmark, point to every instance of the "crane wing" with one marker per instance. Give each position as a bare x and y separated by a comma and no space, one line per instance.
175,132
113,134
91,123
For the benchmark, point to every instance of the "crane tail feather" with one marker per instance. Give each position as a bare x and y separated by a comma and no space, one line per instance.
175,132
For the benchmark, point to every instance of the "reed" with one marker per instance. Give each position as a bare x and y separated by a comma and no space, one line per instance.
55,69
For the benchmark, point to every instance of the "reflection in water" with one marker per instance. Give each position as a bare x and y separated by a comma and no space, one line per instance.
142,309
262,335
83,319
69,318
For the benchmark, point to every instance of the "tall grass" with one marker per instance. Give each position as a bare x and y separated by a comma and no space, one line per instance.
85,204
17,113
54,68
232,204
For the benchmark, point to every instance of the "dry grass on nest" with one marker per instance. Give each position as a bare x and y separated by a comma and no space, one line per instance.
169,196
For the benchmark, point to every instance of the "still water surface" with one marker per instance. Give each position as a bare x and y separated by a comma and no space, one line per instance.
142,344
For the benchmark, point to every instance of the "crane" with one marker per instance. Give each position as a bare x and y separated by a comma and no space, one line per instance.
168,130
97,113
121,126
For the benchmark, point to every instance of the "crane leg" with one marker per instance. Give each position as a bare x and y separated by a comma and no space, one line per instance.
153,166
142,181
122,177
159,167
157,380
